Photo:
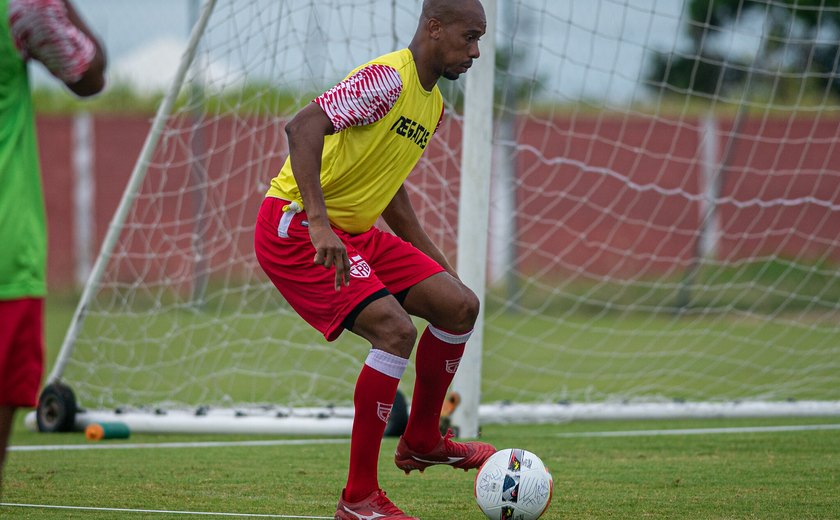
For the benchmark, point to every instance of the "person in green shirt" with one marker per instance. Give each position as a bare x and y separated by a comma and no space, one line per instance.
51,32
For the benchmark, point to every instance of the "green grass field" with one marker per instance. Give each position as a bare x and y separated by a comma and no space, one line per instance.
713,474
791,474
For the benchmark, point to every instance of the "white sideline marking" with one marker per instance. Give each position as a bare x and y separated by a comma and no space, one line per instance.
207,444
703,431
206,513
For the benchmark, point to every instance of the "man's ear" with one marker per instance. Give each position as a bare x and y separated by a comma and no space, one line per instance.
435,28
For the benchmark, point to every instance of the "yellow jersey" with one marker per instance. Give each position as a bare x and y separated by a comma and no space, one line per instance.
383,120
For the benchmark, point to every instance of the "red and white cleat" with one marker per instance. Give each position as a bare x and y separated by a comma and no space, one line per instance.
375,506
463,455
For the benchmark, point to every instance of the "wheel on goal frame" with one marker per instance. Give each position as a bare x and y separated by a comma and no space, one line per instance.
56,409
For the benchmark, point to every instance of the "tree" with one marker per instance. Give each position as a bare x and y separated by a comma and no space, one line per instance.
798,48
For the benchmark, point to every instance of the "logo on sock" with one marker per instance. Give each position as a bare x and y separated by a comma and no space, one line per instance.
383,411
452,365
358,267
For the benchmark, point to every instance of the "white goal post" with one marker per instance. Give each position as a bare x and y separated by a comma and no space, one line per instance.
645,195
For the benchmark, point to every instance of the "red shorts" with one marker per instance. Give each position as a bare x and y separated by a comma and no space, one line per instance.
379,260
21,351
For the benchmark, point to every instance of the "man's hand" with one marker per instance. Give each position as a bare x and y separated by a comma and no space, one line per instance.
330,251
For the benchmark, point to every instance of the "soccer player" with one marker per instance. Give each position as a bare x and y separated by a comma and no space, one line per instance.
350,151
51,32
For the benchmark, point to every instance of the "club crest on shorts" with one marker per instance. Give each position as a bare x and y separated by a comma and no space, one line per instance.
383,411
358,267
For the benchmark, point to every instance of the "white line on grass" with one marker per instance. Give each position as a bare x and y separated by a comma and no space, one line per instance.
703,431
208,444
115,509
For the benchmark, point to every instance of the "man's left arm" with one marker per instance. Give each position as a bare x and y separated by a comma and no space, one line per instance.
92,80
52,32
403,221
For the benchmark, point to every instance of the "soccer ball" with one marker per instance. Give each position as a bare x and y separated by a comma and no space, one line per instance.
513,484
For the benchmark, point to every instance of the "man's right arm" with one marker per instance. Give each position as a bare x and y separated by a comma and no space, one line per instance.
361,99
306,132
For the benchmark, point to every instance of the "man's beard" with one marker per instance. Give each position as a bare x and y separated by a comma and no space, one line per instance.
452,76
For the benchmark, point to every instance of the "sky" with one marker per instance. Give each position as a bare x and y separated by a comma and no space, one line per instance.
592,49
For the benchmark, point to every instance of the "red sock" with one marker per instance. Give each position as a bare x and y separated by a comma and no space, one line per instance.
373,399
438,355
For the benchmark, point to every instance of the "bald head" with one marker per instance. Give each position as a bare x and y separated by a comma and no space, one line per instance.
449,11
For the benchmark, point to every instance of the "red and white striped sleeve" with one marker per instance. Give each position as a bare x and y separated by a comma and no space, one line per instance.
42,31
363,98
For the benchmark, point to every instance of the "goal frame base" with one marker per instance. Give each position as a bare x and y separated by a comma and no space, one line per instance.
338,421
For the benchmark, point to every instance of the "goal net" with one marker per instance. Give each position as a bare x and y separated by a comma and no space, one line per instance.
663,223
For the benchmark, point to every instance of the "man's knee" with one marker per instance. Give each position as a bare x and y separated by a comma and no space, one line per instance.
396,335
471,308
445,302
464,312
387,327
